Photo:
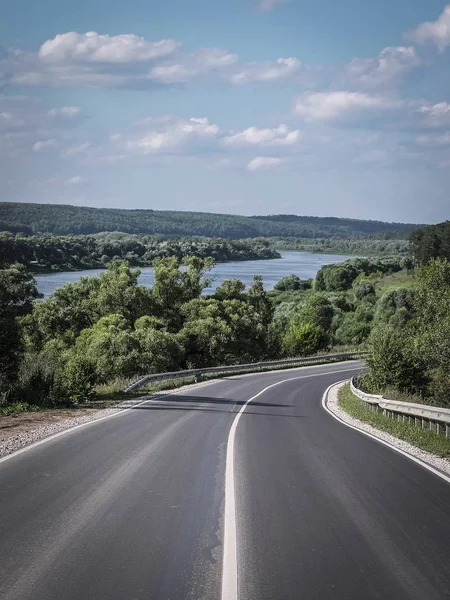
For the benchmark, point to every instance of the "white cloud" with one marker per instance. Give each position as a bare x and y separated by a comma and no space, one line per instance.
387,69
435,115
172,137
67,75
279,136
434,141
75,150
267,5
92,60
193,65
92,47
437,32
45,144
188,138
75,180
282,68
328,106
264,163
65,111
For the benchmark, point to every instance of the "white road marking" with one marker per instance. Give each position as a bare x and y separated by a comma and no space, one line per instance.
379,440
117,414
229,565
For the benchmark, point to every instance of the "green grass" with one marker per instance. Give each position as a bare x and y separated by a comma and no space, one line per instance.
16,408
422,438
396,280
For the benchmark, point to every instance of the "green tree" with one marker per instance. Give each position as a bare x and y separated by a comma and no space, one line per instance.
304,339
230,289
291,283
222,332
78,306
159,350
17,292
259,299
110,347
317,311
174,286
396,360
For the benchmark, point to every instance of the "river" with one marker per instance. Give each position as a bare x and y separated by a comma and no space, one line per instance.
303,264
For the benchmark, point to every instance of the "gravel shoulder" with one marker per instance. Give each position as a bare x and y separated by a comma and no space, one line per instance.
435,461
23,429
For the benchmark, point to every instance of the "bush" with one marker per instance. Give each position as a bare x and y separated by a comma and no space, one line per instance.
395,360
304,339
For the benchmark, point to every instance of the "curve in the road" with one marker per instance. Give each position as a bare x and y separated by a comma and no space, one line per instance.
133,507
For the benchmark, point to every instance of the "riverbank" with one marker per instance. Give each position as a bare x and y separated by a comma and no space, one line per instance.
303,264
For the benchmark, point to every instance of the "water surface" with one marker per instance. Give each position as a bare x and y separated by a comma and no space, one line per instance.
303,264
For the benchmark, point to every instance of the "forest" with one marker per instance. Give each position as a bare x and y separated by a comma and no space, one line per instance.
30,219
430,242
71,253
358,246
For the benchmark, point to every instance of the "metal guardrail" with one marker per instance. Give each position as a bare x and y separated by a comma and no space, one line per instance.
291,362
427,417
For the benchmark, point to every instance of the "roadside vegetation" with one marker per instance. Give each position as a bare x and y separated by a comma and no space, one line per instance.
422,438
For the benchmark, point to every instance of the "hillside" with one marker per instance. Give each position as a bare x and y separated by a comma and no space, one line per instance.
66,219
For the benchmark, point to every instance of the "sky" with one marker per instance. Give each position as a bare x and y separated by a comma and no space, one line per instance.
247,106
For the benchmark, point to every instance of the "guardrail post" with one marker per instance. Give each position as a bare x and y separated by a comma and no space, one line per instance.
416,421
447,430
423,423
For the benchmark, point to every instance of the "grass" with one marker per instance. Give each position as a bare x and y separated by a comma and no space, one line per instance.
16,408
401,279
422,438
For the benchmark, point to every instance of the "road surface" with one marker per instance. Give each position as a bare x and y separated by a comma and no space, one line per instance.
132,508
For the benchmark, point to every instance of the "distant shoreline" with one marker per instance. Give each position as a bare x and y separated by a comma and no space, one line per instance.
104,267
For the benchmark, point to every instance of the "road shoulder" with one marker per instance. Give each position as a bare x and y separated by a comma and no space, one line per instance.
439,465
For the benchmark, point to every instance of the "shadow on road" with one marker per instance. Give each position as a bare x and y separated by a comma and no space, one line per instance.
212,404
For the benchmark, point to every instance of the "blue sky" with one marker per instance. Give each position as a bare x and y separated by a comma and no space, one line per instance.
249,106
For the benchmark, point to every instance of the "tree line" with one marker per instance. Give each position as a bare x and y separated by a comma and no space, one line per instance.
65,219
70,253
361,246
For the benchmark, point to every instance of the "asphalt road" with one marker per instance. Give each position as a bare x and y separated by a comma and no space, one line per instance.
131,508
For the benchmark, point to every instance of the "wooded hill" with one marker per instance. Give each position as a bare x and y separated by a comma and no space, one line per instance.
33,218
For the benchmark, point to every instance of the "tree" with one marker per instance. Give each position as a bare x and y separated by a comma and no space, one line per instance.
395,360
222,332
174,287
363,289
304,339
317,311
230,289
259,299
109,347
78,306
432,307
159,350
17,292
291,283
